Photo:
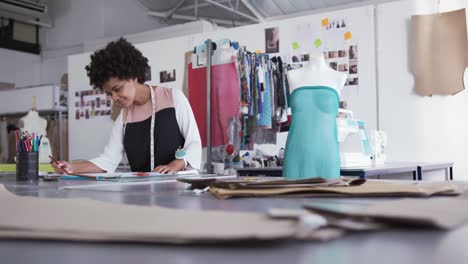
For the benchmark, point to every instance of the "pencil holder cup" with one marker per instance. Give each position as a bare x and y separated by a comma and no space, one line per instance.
27,166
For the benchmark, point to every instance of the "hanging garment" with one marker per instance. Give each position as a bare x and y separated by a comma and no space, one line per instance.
244,82
260,86
279,82
3,141
251,68
188,59
225,100
287,94
65,139
12,148
273,98
265,116
312,145
252,123
54,133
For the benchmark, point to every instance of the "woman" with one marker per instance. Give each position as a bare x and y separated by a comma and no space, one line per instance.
156,127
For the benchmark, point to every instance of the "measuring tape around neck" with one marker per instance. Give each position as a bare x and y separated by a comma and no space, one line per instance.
153,104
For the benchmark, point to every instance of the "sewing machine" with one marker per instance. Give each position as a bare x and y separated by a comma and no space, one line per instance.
355,148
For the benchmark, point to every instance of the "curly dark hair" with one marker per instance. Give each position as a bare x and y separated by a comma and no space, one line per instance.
118,59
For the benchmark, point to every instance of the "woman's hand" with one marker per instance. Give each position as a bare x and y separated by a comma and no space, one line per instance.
175,166
62,167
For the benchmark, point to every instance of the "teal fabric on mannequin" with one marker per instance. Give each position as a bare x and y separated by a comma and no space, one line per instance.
312,148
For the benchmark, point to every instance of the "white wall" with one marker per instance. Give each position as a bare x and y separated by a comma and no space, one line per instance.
20,68
419,128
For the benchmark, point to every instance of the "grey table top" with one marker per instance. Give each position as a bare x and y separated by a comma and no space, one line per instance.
395,246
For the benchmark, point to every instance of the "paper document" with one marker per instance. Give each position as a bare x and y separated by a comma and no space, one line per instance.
124,175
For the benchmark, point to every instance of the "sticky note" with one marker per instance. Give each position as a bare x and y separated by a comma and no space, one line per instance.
258,51
295,45
348,35
318,43
324,22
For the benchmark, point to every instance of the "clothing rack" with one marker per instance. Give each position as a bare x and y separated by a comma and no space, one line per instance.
207,49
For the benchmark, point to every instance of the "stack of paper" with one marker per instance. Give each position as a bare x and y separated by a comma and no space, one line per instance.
89,220
249,187
443,213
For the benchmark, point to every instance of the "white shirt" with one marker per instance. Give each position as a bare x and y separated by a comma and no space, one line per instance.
112,155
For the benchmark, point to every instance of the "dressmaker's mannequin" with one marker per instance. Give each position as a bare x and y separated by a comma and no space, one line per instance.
312,146
33,123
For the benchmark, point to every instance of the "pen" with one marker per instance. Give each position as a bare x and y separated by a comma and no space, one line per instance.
56,162
17,141
34,142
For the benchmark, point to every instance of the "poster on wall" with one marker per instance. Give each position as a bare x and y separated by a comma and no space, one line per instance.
167,76
272,40
333,37
91,104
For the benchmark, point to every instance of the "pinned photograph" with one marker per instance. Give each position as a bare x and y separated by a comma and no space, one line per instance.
353,52
295,59
343,67
272,40
353,69
334,65
305,57
167,76
342,53
333,54
353,81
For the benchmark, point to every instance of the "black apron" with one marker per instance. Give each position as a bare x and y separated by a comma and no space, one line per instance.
167,139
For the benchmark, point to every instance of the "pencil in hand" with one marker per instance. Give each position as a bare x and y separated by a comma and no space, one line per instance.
56,162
